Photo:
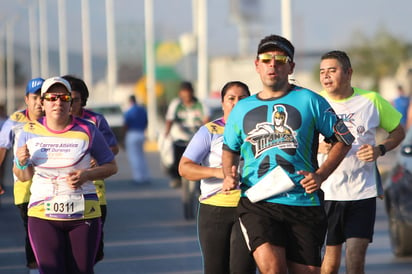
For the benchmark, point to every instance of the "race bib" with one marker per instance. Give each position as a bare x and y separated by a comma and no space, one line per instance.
65,206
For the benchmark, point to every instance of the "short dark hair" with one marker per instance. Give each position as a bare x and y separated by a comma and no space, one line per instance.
276,42
186,85
340,56
230,84
78,85
132,99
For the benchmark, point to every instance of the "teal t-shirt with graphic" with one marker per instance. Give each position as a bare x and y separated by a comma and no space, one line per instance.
280,132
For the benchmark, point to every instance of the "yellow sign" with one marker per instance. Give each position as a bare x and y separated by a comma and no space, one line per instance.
168,53
140,90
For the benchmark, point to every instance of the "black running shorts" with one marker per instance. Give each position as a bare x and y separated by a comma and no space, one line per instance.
299,229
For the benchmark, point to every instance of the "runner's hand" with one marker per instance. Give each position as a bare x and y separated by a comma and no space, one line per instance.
76,178
23,154
367,153
230,181
311,182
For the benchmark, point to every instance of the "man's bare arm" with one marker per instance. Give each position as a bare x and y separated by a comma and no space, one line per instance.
313,181
336,154
230,163
370,153
3,152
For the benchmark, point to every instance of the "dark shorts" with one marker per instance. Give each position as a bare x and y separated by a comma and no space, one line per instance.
350,219
299,229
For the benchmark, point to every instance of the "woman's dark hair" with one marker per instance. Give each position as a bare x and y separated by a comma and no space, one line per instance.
78,85
186,85
228,85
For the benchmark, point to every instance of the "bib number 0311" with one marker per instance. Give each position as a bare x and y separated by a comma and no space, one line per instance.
65,206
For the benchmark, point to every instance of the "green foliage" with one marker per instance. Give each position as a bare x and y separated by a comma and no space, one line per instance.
378,56
374,57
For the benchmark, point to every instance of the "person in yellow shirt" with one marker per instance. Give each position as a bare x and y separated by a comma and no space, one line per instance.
10,131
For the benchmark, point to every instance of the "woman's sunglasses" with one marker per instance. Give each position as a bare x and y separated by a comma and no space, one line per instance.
55,97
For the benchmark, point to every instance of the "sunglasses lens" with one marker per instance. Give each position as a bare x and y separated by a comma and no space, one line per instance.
65,98
280,59
265,58
54,97
50,97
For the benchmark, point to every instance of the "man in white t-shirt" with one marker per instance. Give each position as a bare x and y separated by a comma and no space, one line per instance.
185,115
351,190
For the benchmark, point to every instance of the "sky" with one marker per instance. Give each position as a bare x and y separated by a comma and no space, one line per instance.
317,24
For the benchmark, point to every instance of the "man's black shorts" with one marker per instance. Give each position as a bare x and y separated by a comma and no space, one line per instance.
300,229
350,219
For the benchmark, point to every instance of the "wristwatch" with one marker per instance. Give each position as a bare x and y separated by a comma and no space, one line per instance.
382,148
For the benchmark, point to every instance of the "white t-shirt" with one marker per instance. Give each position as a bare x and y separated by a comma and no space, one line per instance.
186,120
363,113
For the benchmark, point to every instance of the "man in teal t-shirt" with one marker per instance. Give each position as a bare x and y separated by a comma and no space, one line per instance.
276,131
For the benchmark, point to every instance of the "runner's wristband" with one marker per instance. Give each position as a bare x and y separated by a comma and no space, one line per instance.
382,149
22,167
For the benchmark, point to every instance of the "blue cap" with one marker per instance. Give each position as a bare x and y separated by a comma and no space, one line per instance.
34,85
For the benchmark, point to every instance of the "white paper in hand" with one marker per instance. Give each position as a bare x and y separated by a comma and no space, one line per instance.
275,182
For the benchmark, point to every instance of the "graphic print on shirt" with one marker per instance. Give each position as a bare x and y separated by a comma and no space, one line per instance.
51,152
347,118
350,122
277,133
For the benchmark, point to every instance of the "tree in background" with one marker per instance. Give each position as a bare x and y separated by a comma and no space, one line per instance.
377,57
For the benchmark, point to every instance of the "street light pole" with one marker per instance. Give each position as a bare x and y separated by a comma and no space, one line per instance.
150,69
202,49
34,47
286,15
87,67
111,49
62,37
44,49
10,67
2,63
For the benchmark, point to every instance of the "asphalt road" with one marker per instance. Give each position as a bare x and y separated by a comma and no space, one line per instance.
146,233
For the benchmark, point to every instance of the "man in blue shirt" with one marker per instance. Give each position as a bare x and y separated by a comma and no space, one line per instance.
135,123
401,103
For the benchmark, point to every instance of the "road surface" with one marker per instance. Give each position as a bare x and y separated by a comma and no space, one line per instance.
146,233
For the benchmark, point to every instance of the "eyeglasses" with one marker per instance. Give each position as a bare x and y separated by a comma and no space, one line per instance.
279,59
55,97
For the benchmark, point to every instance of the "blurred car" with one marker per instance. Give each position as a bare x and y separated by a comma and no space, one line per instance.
398,199
114,116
